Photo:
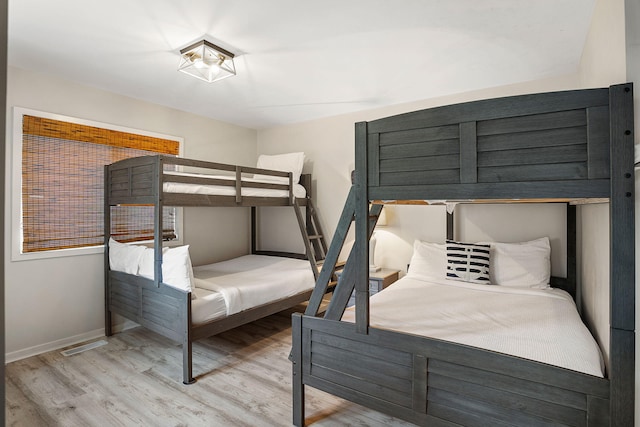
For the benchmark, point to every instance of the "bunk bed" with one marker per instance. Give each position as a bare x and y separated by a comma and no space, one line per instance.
560,147
134,286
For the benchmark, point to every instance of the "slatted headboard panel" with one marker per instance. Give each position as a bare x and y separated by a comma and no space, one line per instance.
531,146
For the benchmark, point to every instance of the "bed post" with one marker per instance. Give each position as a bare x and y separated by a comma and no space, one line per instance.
157,220
108,329
297,384
254,229
622,256
450,224
187,344
361,245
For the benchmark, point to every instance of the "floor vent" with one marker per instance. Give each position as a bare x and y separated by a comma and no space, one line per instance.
84,347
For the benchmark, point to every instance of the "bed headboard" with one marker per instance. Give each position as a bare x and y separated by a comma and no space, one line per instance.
552,145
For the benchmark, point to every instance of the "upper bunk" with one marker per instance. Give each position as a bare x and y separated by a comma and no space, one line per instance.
176,181
557,146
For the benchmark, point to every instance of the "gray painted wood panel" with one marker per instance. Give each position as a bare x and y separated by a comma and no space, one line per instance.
492,109
468,153
498,381
420,149
553,189
428,177
598,133
502,398
464,418
533,156
421,135
416,163
536,121
533,139
528,173
480,408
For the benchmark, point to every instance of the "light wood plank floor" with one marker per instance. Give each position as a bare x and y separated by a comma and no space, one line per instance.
244,379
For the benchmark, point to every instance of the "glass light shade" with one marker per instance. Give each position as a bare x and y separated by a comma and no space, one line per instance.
207,62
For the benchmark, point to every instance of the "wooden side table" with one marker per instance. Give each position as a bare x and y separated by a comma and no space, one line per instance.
377,282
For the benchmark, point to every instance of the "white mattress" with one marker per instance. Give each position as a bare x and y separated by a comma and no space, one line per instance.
247,282
223,190
540,325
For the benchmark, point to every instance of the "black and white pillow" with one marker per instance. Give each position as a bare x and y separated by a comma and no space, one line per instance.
468,262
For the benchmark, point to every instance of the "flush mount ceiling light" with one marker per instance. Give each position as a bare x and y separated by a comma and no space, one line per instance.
207,61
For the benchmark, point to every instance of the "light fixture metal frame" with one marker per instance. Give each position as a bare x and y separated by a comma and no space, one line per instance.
193,61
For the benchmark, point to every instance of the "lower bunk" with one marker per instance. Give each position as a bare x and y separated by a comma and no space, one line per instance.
432,382
445,348
225,295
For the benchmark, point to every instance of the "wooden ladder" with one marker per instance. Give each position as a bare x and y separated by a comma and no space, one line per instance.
341,293
313,236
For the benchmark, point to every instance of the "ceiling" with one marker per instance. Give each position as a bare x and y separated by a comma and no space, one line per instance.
299,60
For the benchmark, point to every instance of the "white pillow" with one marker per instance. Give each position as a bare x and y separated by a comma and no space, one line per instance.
124,257
522,265
429,261
176,267
290,162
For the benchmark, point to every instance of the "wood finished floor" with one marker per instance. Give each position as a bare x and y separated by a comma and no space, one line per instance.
244,379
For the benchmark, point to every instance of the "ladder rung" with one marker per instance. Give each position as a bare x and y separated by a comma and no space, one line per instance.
315,236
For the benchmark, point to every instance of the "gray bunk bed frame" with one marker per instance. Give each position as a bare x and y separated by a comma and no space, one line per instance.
557,146
165,309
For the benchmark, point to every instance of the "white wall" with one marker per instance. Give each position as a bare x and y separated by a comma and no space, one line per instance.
329,144
60,301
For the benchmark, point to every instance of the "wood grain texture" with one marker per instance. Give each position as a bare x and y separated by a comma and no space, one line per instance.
131,382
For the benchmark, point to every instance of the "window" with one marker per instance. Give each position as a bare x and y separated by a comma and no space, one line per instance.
61,173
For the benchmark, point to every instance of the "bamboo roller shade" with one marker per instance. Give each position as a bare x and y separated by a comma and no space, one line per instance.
62,185
40,126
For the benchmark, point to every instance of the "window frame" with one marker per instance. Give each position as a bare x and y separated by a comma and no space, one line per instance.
15,183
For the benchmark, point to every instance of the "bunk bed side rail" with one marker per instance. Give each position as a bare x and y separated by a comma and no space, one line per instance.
132,181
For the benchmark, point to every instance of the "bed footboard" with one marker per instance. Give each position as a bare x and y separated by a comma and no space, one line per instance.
164,310
438,383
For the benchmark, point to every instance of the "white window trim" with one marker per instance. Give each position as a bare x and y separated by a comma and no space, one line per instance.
15,184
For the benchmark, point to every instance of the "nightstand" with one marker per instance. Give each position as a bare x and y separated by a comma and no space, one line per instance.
377,282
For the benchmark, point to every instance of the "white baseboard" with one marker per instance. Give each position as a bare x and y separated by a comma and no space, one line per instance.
65,342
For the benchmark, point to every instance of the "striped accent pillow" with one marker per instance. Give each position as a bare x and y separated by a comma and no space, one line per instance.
468,262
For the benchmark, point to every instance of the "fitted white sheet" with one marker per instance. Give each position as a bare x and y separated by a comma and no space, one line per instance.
209,305
540,325
223,190
246,282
